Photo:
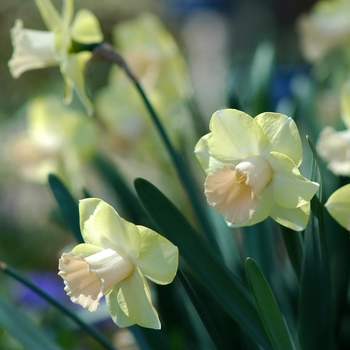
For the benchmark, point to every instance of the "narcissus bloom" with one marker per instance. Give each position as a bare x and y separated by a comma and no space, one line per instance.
114,261
334,146
57,140
252,169
35,49
338,206
326,28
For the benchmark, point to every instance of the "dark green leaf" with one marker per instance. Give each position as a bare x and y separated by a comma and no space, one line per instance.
315,302
23,329
228,291
67,204
265,302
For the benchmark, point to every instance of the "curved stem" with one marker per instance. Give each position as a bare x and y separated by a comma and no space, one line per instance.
107,52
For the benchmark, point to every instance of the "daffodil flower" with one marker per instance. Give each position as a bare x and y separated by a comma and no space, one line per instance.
114,261
334,146
338,206
34,49
252,169
326,28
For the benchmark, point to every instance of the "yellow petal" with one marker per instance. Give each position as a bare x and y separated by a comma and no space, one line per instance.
158,258
49,14
117,315
282,135
102,226
345,103
296,218
86,28
73,71
134,300
338,206
234,136
289,188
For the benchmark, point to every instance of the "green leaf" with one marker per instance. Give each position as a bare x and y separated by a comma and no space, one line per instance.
315,302
223,286
67,204
265,302
293,241
23,329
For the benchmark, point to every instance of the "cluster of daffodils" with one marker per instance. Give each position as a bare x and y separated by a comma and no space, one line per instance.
114,261
252,169
35,49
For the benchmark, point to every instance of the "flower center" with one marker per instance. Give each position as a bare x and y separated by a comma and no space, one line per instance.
88,279
234,191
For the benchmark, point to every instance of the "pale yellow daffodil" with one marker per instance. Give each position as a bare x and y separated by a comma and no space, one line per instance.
334,146
338,206
155,59
325,28
57,140
114,261
35,49
252,169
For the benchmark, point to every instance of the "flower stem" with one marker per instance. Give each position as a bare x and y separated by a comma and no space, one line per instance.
92,331
107,52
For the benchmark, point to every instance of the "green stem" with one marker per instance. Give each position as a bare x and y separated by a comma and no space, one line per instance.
92,331
107,52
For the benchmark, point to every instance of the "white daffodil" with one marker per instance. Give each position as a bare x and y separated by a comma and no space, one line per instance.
338,206
326,28
35,49
334,146
252,169
114,261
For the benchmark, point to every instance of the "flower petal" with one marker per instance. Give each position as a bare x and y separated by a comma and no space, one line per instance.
82,285
73,72
102,226
49,14
289,188
134,299
32,49
158,258
338,206
86,28
334,148
228,193
345,103
295,218
234,136
117,314
282,135
262,211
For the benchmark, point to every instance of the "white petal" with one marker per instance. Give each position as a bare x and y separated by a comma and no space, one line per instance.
33,49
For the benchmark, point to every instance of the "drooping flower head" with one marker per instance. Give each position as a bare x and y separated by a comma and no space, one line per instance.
114,261
338,206
35,49
252,169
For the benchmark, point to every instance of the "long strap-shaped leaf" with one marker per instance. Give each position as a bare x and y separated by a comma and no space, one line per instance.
315,311
265,302
201,259
67,204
